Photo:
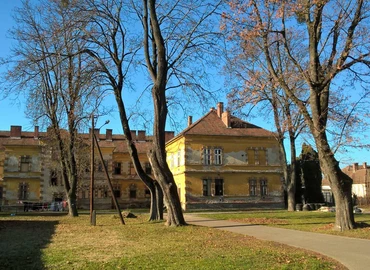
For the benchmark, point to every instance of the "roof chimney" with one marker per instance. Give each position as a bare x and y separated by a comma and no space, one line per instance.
226,119
220,109
168,135
364,165
108,134
36,133
15,132
355,166
190,120
141,135
133,135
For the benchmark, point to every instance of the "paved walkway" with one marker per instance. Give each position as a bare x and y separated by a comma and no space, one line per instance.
351,252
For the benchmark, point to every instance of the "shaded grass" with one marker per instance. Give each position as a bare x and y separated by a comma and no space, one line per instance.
313,221
71,243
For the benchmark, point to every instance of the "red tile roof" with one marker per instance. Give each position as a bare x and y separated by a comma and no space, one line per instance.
211,124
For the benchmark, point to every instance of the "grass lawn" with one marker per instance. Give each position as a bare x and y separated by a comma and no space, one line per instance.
61,242
312,221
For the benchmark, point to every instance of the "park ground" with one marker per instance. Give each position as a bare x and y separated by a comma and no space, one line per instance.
46,241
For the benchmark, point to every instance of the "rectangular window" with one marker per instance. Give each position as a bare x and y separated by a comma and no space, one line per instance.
172,160
218,156
101,165
23,191
1,193
132,170
207,187
147,193
207,156
252,187
133,194
25,163
53,178
148,168
117,167
117,193
219,187
179,158
256,157
266,157
263,184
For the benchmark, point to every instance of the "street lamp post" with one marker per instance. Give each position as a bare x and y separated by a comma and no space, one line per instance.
92,169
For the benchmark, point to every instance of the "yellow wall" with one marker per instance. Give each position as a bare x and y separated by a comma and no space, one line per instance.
12,176
236,169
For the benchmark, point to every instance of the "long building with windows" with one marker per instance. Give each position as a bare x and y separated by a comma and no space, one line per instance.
222,162
219,161
29,171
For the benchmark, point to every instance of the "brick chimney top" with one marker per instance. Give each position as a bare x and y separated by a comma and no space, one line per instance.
220,109
355,167
108,134
226,119
36,133
364,165
190,120
141,135
16,132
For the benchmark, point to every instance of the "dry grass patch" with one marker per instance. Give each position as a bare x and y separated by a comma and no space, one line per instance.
71,243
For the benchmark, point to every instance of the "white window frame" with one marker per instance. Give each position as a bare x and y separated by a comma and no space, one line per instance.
218,156
207,156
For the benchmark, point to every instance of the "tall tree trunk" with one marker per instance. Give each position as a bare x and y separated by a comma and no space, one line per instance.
158,161
341,185
72,204
167,184
156,210
292,171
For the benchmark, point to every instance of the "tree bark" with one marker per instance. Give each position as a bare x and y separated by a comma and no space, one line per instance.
167,184
157,158
156,211
341,185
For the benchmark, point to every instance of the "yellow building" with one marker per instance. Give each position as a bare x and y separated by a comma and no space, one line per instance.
22,170
27,172
221,161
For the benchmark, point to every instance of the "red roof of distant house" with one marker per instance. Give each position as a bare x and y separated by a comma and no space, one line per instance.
356,172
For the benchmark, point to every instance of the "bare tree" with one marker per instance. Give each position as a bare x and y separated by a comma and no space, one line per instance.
331,33
113,47
61,84
176,34
254,89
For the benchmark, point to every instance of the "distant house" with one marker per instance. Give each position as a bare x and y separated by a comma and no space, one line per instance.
360,175
221,161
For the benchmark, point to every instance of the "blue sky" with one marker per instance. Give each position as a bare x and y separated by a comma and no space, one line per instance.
12,111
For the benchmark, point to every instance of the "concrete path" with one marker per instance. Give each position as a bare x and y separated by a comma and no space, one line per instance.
351,252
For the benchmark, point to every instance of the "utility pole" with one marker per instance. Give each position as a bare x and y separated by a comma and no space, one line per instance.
116,204
92,168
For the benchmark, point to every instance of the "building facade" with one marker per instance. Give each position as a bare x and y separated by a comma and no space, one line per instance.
28,172
222,162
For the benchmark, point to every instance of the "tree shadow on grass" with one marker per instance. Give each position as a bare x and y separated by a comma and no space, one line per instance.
21,243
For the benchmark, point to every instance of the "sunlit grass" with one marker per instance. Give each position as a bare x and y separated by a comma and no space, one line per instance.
60,242
312,221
